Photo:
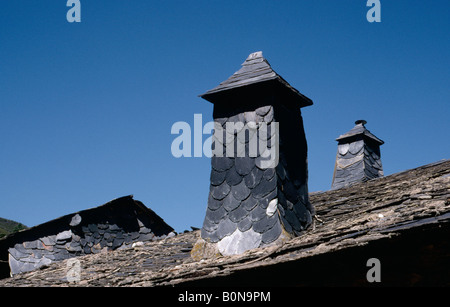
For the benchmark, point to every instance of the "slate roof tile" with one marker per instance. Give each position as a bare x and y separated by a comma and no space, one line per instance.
221,191
221,164
249,203
214,204
264,187
240,191
245,224
217,178
271,234
232,177
244,165
253,178
226,228
230,203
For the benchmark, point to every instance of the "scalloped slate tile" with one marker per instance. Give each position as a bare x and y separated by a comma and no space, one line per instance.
218,138
245,224
240,150
226,228
249,203
343,149
216,216
250,116
264,187
221,164
234,118
286,225
264,201
244,165
269,173
221,120
230,203
248,135
257,213
241,116
272,234
238,214
292,219
289,205
240,191
302,213
221,191
217,178
214,204
263,110
267,131
232,177
355,147
267,160
212,236
253,178
265,223
208,225
269,116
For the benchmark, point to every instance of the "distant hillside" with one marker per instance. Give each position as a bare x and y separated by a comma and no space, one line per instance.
8,226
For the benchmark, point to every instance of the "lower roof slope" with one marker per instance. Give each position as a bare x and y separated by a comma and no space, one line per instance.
402,207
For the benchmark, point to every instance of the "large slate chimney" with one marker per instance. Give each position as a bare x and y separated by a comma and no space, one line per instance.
358,157
258,193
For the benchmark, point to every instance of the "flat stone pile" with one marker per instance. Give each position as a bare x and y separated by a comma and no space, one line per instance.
90,239
117,224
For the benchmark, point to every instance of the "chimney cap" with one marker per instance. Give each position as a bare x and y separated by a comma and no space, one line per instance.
359,129
256,70
361,121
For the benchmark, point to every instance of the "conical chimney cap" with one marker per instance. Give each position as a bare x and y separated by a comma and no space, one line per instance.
359,130
256,70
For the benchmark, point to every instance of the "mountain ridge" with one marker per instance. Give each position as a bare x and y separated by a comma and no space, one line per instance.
9,226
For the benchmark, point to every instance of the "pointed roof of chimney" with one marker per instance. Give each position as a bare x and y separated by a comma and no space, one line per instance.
256,69
359,129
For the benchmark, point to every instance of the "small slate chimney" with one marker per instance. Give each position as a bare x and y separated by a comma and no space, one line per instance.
258,189
358,157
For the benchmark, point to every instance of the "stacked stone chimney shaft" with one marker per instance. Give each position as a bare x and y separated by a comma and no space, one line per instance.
258,188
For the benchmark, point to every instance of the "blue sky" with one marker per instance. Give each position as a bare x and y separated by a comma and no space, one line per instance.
86,109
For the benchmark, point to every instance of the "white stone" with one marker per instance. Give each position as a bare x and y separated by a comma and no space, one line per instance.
76,220
239,242
272,207
137,244
65,235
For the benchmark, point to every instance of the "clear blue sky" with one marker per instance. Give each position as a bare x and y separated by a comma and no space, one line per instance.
86,109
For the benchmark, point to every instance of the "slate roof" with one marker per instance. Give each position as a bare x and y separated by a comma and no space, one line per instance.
256,69
402,218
